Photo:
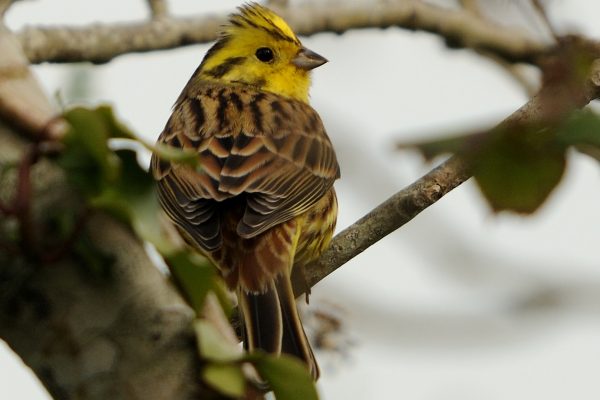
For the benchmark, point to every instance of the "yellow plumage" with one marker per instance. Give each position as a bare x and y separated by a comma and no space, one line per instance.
256,24
263,205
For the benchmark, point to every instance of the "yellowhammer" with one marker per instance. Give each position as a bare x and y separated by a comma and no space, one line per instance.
263,201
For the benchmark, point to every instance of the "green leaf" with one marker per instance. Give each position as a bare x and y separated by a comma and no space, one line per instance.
89,163
517,171
226,378
112,179
581,127
287,376
213,345
131,196
137,191
193,275
459,144
516,167
170,153
582,130
115,128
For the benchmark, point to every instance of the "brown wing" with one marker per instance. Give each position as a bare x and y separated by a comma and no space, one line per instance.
270,151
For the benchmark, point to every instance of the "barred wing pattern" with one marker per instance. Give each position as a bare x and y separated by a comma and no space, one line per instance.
270,151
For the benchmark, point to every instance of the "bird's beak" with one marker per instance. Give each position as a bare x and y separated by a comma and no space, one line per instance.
308,59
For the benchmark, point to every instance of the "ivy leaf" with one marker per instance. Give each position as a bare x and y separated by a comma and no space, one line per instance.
131,196
582,130
288,377
113,181
88,154
170,153
457,144
581,127
516,167
517,171
113,125
213,345
194,277
88,161
228,378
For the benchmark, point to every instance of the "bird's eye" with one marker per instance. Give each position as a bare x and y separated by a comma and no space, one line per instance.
264,54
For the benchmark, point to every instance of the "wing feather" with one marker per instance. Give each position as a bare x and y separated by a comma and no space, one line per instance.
271,151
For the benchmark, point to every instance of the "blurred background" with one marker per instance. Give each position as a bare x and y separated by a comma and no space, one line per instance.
458,304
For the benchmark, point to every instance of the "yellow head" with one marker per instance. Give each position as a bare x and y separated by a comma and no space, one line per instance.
258,48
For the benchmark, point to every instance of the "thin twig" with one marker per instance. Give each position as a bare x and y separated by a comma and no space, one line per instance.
537,5
530,85
4,5
102,42
511,68
158,8
471,6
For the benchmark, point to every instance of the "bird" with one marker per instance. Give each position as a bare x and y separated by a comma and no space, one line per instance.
261,205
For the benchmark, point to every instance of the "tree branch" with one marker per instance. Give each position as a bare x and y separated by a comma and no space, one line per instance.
120,331
102,42
101,322
390,215
553,102
22,102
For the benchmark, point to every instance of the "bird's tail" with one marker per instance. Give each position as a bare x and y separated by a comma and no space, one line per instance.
272,323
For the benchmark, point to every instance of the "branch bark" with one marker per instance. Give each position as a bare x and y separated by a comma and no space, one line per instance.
386,218
102,42
117,331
